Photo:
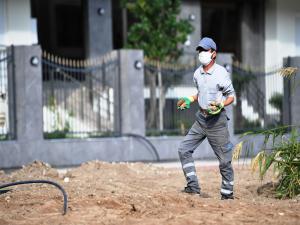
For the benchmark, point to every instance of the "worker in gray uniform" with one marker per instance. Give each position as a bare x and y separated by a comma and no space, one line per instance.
215,91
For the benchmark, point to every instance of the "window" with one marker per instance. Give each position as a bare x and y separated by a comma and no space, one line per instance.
69,25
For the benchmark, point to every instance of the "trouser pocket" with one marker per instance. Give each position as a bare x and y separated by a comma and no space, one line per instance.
226,150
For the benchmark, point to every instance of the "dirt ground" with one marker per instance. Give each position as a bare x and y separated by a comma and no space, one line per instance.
137,193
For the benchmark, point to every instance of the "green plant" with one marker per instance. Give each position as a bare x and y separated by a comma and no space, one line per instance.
280,149
281,152
3,137
165,132
55,135
239,81
157,29
160,32
276,101
254,125
60,127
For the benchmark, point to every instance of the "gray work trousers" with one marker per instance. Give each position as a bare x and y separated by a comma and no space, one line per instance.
215,129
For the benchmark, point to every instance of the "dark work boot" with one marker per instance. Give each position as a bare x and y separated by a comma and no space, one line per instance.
227,197
190,190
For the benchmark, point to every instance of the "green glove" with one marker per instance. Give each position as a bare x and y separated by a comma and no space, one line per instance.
185,102
215,108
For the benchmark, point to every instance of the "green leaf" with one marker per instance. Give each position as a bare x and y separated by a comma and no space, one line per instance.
157,30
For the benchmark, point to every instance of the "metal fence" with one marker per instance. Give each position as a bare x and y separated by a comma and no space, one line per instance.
6,111
258,103
176,81
78,96
259,98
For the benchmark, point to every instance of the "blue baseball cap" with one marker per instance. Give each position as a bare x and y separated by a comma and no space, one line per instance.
207,43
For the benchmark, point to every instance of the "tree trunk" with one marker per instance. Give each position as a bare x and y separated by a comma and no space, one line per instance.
161,99
152,108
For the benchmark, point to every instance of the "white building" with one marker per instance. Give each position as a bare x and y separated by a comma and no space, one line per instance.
17,27
266,30
259,33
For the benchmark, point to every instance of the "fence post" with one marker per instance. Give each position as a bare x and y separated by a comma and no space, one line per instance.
132,105
11,95
98,27
28,93
291,103
225,59
286,111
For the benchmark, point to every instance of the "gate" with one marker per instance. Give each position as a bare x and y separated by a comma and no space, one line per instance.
79,96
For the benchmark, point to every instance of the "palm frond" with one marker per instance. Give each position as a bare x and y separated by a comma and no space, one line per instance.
237,151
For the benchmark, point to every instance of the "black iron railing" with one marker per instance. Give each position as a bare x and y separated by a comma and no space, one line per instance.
176,81
259,99
78,96
258,103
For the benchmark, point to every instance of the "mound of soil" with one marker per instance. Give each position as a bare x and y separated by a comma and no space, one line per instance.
138,193
268,190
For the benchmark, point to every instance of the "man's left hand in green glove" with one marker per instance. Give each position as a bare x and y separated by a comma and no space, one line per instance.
215,108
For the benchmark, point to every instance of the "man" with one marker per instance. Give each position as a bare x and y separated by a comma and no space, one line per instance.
215,91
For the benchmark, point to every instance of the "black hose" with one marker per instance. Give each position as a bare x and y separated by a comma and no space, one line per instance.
41,182
4,191
146,141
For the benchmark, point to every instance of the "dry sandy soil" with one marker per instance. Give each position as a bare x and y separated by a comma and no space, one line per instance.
137,193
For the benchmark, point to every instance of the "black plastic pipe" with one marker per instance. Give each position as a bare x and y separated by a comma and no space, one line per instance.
137,136
41,182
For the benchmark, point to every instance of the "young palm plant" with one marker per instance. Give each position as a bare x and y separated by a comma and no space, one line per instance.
280,150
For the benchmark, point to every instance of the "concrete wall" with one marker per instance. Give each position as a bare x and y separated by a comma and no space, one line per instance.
281,16
98,27
132,92
72,152
191,10
280,40
30,145
252,34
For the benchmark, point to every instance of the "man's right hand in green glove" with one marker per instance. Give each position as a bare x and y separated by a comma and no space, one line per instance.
185,102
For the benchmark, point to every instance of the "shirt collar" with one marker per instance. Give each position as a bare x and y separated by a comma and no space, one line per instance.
210,71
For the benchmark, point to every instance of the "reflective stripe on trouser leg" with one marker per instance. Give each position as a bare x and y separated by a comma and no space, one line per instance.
227,187
189,171
218,138
226,171
186,149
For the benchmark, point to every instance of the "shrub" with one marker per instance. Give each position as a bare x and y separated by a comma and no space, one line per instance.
283,155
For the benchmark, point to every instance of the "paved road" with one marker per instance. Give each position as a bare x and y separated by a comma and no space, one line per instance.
198,163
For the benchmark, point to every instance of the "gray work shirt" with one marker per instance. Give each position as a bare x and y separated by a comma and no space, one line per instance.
215,85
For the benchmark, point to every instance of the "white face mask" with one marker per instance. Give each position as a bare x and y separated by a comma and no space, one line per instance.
205,58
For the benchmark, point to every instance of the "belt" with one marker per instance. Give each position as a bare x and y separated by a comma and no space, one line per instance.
205,112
